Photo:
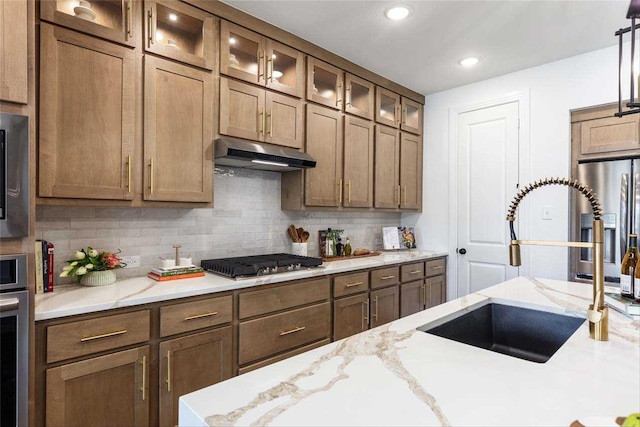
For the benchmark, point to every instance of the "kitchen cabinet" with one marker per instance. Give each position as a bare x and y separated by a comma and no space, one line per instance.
253,113
435,291
251,57
398,111
359,96
178,132
14,52
410,171
110,20
350,316
387,167
358,163
423,286
190,363
323,184
324,83
95,138
178,31
385,306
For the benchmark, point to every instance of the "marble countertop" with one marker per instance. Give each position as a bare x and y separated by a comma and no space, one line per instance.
69,300
396,375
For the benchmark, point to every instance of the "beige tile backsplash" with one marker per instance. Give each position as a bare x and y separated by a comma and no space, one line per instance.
246,220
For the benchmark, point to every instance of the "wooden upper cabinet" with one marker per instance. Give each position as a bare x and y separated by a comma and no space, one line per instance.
323,184
178,31
86,142
111,20
387,167
116,385
251,57
609,134
178,132
410,171
358,163
359,96
285,69
324,83
411,116
241,110
14,51
387,107
284,120
190,363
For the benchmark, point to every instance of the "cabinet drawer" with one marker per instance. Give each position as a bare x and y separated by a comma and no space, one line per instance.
412,271
190,316
283,297
385,277
83,337
283,356
434,267
269,335
350,284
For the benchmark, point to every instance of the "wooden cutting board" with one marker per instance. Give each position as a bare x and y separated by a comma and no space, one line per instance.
344,258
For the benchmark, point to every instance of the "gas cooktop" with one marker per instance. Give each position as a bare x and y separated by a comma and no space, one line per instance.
258,265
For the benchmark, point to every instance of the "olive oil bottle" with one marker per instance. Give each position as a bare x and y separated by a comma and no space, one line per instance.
628,271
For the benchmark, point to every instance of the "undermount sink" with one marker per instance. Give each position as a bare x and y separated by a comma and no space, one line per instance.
524,333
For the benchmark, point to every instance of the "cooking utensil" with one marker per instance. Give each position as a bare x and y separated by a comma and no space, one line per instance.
300,230
305,236
293,233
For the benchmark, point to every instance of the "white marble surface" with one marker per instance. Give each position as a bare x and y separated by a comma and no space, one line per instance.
71,300
395,375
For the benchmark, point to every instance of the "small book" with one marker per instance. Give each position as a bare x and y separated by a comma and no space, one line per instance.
174,277
398,238
38,268
45,266
50,247
161,272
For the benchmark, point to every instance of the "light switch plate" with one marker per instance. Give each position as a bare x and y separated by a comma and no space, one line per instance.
131,261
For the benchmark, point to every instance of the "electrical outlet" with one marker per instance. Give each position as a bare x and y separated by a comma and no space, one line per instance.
131,261
546,212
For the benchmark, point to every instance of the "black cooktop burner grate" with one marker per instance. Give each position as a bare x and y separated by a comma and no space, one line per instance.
258,265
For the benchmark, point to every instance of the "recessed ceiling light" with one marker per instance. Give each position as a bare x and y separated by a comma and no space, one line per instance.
398,12
469,62
173,17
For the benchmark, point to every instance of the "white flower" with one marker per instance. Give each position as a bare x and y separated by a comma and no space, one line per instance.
67,268
93,253
80,271
65,273
79,255
89,266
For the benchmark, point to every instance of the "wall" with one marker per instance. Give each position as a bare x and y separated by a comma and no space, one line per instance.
554,89
246,220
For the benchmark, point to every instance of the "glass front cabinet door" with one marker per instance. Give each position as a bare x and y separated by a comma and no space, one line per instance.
242,53
324,83
178,31
411,116
285,69
111,20
358,96
387,107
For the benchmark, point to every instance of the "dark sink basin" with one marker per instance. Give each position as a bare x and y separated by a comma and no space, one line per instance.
528,334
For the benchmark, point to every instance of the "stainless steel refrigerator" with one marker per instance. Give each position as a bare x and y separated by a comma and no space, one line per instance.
617,185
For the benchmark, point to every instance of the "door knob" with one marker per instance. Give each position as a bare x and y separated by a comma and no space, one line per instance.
461,251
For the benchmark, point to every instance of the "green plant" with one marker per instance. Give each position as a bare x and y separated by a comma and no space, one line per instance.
88,260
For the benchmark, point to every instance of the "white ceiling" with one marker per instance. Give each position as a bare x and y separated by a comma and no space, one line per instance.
422,52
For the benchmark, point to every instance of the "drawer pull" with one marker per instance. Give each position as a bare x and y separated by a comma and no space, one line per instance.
298,329
200,316
415,272
169,371
375,312
143,389
349,285
110,334
387,277
438,267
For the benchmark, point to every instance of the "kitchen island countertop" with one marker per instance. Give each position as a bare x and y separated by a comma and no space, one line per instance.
69,300
396,375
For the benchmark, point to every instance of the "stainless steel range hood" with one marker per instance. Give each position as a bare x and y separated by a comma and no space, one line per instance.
241,153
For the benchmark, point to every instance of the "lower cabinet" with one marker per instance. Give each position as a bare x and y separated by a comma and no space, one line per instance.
350,316
190,363
412,300
110,390
385,306
423,293
434,291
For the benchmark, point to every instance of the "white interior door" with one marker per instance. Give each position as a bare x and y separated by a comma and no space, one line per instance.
488,141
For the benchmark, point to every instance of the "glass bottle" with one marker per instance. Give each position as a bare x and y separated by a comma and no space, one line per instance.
628,271
347,248
329,244
339,248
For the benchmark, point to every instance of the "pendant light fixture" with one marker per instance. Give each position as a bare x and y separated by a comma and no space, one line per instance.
634,107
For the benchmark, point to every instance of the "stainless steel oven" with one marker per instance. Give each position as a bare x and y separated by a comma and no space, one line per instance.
14,340
14,176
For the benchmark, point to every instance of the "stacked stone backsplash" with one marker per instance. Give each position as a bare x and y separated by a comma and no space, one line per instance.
246,220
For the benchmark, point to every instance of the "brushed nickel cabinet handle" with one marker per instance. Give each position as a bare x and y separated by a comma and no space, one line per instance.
200,316
144,377
151,175
130,18
349,285
366,311
438,267
415,272
129,173
107,335
297,329
375,312
387,277
152,33
168,370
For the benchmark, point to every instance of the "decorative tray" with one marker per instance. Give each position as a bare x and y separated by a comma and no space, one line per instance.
344,258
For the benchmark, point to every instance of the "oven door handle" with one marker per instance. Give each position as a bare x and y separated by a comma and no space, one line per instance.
9,304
